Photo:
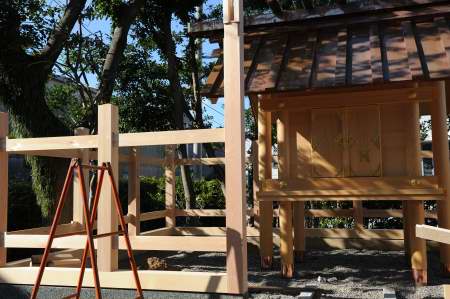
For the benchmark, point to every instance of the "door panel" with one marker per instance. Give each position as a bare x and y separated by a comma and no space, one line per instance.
364,145
327,140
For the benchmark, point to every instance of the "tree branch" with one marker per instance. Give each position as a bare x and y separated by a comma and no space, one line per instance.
58,37
127,14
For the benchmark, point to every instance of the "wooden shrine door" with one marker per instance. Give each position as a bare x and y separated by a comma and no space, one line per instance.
346,142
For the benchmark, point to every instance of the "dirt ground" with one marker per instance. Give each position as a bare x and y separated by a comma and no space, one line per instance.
332,274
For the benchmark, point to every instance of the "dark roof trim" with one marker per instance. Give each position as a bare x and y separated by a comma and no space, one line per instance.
210,28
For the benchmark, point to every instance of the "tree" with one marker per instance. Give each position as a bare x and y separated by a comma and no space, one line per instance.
32,37
156,25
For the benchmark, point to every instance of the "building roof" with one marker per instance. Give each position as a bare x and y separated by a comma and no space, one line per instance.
341,47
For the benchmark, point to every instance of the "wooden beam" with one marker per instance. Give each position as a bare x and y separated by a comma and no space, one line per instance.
200,213
446,291
432,233
23,145
353,183
77,204
170,190
108,151
415,209
329,213
200,161
364,194
264,210
210,282
134,192
286,229
142,242
441,164
172,137
153,215
235,196
4,125
68,154
292,102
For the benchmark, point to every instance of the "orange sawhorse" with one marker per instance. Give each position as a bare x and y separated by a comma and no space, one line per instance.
75,165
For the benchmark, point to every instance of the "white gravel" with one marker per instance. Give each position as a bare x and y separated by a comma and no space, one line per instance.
343,274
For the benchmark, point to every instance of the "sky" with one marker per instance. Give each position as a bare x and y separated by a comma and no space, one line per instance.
215,112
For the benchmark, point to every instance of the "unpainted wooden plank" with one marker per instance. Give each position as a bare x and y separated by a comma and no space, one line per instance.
327,142
341,57
444,31
396,54
375,54
325,71
215,78
364,144
434,52
411,47
250,51
361,56
268,63
297,71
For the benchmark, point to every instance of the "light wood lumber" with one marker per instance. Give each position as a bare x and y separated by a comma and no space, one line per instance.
432,233
292,102
441,164
77,209
134,192
264,215
142,242
353,183
286,228
200,213
172,137
108,151
153,215
233,44
212,282
23,145
415,209
446,288
170,190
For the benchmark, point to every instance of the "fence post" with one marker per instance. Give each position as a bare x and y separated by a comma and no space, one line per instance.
108,151
134,193
264,214
77,210
414,208
170,176
441,163
235,195
255,182
358,215
3,185
286,228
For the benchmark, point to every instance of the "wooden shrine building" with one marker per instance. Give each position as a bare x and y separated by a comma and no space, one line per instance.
346,88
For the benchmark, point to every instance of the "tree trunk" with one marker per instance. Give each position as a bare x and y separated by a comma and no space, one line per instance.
31,117
198,108
175,86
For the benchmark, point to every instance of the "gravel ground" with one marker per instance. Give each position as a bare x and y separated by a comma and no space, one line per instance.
342,273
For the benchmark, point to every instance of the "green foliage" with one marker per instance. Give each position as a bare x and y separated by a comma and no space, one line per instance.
208,194
142,92
64,101
23,212
250,125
